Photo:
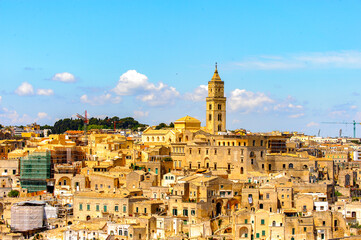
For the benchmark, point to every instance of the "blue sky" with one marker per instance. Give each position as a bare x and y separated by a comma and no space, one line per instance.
287,65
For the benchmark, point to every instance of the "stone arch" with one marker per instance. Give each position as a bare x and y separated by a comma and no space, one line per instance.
218,208
243,232
232,204
65,181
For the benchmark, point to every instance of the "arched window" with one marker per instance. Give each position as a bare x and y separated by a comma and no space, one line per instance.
219,107
210,117
210,106
241,170
219,117
219,127
251,154
290,165
274,223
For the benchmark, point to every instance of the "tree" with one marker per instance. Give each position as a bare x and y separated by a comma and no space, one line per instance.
160,126
13,193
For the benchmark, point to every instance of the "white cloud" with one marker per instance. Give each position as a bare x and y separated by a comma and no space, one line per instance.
341,59
140,114
199,94
10,117
25,89
42,115
44,92
247,101
100,100
64,77
287,107
298,115
134,83
312,124
162,96
130,82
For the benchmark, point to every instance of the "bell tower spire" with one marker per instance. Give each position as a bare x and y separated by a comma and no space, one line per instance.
216,105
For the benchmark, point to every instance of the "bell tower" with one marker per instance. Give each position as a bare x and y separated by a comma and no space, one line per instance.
216,105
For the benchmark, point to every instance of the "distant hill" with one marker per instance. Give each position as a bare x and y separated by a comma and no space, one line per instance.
66,124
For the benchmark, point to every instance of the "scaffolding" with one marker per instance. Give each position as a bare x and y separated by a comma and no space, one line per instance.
35,169
27,216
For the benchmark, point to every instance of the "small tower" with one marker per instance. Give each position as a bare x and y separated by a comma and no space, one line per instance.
216,105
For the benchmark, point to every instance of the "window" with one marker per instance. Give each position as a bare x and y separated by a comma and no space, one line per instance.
136,209
267,195
210,106
185,212
80,207
105,208
305,229
263,233
88,207
261,142
193,212
116,208
97,208
262,221
245,221
229,166
257,235
284,166
124,208
229,151
215,166
293,231
145,210
324,223
156,171
251,161
210,117
254,142
290,165
219,107
175,212
215,151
